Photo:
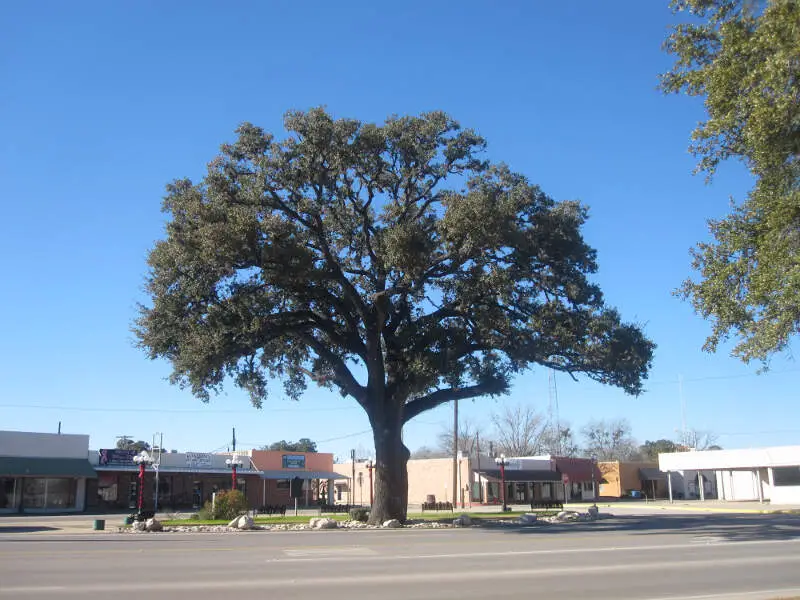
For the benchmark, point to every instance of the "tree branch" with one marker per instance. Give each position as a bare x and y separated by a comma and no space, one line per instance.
434,399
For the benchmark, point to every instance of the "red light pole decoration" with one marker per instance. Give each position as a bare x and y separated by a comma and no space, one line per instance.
370,466
142,459
501,461
234,463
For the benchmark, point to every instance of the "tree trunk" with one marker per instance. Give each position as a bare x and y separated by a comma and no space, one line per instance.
391,473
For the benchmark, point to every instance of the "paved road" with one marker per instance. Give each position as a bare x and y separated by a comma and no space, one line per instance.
636,557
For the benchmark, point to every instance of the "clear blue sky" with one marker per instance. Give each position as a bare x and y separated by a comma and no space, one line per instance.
102,103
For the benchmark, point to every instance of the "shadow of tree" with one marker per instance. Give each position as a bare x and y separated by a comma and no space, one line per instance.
721,527
25,528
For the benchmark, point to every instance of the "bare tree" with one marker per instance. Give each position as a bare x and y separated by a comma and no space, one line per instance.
519,431
561,442
698,440
467,430
609,440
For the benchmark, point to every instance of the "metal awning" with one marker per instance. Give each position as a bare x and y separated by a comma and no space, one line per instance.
301,474
651,474
19,466
523,474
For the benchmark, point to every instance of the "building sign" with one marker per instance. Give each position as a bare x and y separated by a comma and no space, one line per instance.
198,460
294,461
115,457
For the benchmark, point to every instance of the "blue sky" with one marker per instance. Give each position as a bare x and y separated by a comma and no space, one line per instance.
103,103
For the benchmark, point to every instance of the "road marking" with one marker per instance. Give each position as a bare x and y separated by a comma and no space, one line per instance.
759,595
342,551
512,553
402,577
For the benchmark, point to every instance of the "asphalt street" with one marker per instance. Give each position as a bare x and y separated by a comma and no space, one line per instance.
631,557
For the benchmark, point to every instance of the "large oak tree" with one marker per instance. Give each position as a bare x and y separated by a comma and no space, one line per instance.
389,262
743,58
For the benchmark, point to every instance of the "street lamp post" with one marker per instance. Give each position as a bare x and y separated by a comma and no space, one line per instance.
370,466
142,460
501,461
234,463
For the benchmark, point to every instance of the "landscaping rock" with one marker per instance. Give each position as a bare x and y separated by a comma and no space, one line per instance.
392,524
244,523
324,523
153,525
234,523
528,519
139,526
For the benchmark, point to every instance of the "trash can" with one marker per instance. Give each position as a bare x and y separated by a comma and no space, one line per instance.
99,524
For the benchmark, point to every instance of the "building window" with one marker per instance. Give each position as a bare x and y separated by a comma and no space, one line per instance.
282,484
60,493
9,492
786,476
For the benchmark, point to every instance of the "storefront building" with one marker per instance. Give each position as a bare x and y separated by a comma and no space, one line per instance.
43,472
622,479
314,470
174,481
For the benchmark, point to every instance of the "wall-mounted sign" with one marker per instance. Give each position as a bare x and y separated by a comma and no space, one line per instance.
293,461
198,460
117,458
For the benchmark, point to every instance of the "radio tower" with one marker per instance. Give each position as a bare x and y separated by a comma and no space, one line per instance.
555,422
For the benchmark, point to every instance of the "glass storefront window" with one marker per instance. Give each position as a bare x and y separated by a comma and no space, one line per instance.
60,493
33,492
10,491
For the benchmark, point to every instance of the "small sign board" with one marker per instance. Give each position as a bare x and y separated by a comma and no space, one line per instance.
565,479
293,461
115,457
198,460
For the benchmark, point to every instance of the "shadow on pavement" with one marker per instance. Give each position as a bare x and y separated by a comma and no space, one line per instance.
25,528
728,527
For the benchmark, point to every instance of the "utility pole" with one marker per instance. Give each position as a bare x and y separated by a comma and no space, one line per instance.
353,480
455,452
478,457
234,439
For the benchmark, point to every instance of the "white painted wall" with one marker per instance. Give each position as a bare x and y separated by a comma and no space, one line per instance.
777,456
43,445
785,495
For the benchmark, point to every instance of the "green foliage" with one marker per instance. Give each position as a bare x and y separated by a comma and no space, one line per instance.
650,450
227,506
302,445
343,243
359,514
745,63
129,444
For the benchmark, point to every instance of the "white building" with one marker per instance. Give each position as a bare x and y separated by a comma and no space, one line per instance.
758,474
43,472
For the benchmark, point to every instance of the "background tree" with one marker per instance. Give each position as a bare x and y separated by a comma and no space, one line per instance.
388,262
743,58
697,440
650,450
519,431
609,440
302,445
129,444
467,431
560,442
427,452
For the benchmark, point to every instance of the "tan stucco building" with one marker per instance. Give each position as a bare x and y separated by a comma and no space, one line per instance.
620,478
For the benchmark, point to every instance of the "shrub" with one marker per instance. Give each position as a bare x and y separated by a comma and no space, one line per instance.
227,505
359,514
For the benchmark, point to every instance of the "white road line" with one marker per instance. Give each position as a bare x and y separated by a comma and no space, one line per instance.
756,595
553,552
401,578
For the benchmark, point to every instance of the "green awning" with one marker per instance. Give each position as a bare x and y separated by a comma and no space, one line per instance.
18,466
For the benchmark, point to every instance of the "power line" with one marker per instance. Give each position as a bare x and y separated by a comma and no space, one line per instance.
172,410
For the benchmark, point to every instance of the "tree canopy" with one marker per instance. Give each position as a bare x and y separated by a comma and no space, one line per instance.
387,261
743,58
609,440
128,444
301,445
